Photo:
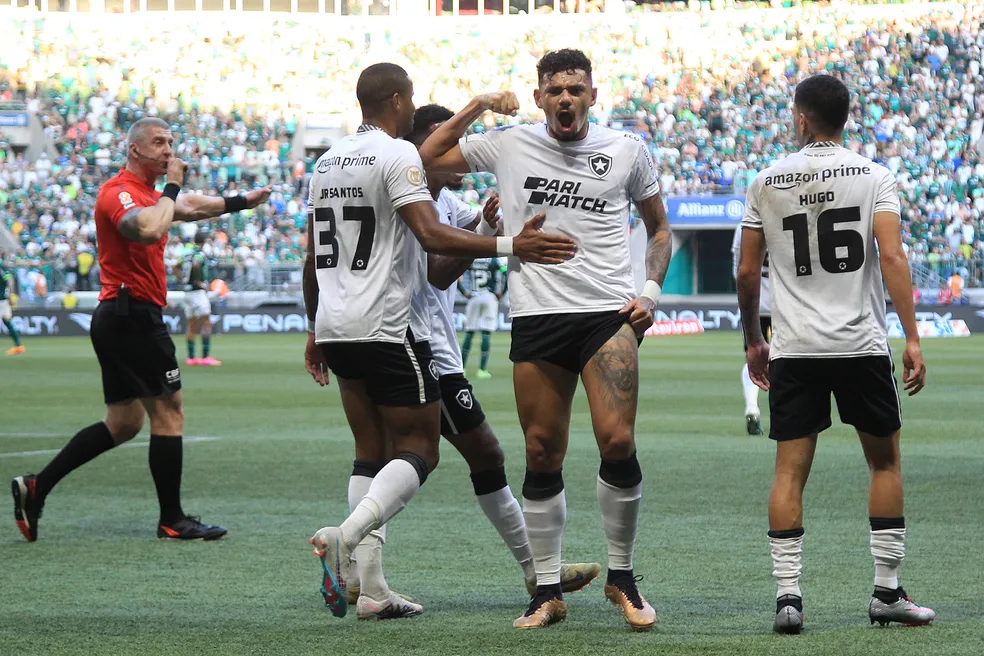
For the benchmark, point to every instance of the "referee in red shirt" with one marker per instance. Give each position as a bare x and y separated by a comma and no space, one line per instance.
140,374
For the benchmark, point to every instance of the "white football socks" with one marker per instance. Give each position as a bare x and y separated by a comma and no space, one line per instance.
888,550
620,515
390,492
786,564
751,391
506,516
368,555
545,520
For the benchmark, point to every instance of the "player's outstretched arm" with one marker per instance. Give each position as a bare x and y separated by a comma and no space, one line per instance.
895,270
749,290
659,249
441,152
444,271
530,245
195,207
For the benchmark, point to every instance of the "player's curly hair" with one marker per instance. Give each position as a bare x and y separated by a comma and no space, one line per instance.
566,60
425,117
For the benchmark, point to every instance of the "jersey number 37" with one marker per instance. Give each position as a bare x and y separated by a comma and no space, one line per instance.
327,230
841,251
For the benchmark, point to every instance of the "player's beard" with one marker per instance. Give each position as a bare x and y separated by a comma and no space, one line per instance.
455,182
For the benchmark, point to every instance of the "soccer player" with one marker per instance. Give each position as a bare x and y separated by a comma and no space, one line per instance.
753,416
140,374
821,213
582,318
6,313
371,216
198,310
483,285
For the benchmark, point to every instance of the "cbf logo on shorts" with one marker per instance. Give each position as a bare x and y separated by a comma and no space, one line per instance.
173,376
464,399
432,368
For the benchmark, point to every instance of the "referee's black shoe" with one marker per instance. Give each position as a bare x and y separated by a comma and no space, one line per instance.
189,528
27,505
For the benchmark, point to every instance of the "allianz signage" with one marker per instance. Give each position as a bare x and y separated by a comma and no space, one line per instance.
687,211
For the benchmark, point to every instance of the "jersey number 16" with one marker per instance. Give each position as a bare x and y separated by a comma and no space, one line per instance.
324,219
841,251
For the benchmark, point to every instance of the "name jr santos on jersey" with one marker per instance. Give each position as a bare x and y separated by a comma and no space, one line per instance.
585,189
825,302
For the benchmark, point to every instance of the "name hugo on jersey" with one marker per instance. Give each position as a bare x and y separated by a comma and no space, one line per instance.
561,193
790,180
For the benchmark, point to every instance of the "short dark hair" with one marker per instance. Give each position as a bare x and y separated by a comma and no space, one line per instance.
425,117
825,100
379,83
566,60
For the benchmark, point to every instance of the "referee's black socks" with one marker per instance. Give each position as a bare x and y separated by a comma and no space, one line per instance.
165,459
88,443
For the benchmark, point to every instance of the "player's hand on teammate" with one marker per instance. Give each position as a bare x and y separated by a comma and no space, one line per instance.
532,245
641,311
176,171
258,196
315,363
757,356
500,102
490,212
913,368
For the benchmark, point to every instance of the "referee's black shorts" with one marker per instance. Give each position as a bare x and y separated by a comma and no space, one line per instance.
135,351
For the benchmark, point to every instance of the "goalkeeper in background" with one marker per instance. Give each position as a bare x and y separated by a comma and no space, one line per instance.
7,299
484,285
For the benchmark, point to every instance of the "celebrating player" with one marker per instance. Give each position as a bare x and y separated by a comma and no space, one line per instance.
820,213
365,284
197,309
753,416
483,285
582,318
140,374
6,314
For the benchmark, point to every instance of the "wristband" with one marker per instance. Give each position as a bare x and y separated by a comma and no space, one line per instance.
171,191
311,326
652,290
235,203
486,230
503,246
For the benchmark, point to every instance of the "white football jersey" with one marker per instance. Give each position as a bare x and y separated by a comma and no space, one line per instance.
584,188
444,336
372,271
816,209
765,308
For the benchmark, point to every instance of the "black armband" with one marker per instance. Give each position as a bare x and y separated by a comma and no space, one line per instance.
235,203
171,191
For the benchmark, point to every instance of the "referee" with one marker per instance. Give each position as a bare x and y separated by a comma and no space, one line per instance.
140,374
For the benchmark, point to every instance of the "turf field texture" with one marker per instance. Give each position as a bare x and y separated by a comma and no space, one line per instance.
98,581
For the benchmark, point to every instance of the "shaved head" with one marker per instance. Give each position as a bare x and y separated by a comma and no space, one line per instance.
378,84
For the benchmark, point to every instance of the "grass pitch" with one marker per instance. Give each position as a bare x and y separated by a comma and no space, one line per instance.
98,582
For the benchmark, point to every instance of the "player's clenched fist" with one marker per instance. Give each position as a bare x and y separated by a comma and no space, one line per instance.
531,245
500,102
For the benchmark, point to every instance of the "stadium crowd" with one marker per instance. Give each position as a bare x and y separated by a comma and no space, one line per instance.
714,109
